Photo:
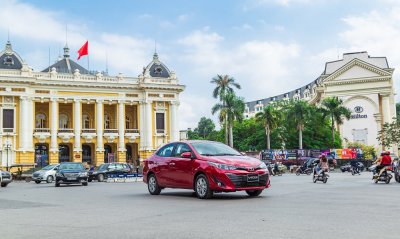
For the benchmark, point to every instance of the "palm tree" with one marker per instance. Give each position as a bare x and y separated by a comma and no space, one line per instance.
269,117
299,111
232,110
225,85
333,107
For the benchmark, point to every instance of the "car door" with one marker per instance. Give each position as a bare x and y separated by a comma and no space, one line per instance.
162,160
181,169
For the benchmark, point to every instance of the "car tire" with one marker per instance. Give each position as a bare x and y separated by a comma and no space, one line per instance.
57,184
3,185
49,179
202,187
152,185
89,180
85,183
37,181
100,178
254,193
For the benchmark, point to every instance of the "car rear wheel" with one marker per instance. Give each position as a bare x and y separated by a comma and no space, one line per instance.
37,181
100,178
152,185
49,179
254,193
202,187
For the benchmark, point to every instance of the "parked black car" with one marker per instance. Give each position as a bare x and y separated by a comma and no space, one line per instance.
71,173
347,167
106,169
5,178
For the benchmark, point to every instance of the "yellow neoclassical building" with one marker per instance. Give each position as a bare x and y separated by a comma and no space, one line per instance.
65,113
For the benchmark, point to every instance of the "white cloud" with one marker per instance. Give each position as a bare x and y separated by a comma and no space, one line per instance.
183,17
243,27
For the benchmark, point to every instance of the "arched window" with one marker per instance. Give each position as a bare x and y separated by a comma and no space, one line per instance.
86,121
128,122
107,121
41,121
63,121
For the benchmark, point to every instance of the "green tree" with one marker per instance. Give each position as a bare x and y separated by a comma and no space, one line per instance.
390,133
333,107
224,85
299,112
205,127
270,119
398,110
232,109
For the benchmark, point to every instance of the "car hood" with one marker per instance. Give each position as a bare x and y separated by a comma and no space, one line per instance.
244,161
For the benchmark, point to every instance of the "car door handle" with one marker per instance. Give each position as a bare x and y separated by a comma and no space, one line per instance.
171,164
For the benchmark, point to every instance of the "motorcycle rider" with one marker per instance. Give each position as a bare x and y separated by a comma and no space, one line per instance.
385,161
322,166
276,168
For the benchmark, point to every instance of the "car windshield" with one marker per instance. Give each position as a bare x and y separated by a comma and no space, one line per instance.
214,149
103,167
72,166
48,167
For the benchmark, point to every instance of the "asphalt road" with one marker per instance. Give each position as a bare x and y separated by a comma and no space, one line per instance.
294,207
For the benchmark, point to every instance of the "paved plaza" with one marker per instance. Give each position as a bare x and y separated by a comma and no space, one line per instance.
294,207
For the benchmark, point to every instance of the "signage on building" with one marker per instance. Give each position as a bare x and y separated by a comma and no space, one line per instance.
358,110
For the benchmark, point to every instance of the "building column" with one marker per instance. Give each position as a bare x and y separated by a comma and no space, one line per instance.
386,109
174,132
149,125
23,124
99,130
30,123
142,125
53,156
121,132
378,120
77,156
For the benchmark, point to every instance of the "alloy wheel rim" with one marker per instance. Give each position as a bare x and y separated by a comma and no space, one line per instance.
201,187
152,184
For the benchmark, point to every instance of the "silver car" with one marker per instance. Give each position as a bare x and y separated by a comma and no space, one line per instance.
5,178
47,174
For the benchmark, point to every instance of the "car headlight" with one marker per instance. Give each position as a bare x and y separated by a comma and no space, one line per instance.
59,175
262,166
84,174
222,166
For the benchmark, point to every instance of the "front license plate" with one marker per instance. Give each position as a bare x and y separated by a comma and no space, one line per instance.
71,179
252,178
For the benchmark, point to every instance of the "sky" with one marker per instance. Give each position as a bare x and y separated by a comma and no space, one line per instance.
268,46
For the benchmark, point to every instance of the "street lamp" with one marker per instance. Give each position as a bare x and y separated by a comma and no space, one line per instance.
7,146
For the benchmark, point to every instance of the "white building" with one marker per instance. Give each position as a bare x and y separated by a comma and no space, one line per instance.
364,83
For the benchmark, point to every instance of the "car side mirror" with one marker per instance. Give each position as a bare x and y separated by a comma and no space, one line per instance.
187,155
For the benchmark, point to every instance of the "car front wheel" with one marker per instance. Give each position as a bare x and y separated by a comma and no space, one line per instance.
3,185
49,179
152,185
85,183
202,187
37,181
253,193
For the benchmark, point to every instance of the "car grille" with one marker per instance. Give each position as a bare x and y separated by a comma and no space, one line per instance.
240,181
36,175
71,174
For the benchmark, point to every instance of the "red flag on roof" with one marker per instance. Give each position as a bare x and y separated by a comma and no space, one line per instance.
84,50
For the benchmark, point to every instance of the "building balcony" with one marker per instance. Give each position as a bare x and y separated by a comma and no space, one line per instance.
65,134
88,135
110,135
41,134
132,134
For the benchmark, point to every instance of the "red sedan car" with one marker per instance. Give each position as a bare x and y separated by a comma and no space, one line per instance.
206,167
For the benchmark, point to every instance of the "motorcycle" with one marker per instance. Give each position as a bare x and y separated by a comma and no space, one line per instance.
303,170
322,176
386,176
354,170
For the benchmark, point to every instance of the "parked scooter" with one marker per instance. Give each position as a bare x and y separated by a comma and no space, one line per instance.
304,170
322,176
